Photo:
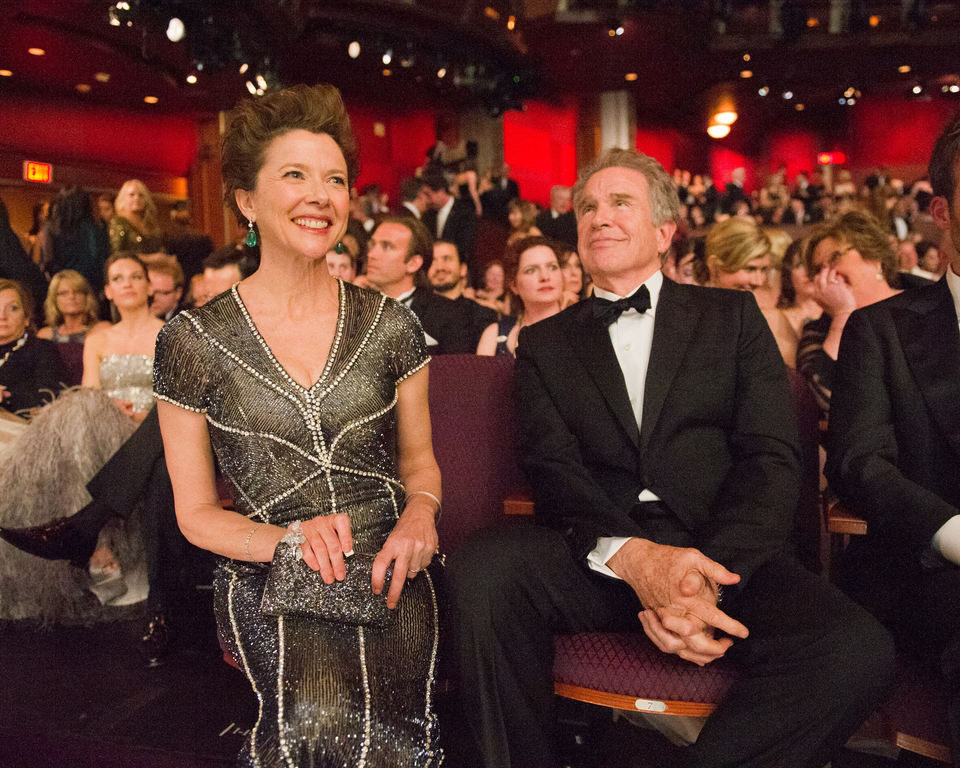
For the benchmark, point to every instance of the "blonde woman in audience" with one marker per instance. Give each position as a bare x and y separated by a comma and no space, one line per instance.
70,310
532,269
738,257
134,227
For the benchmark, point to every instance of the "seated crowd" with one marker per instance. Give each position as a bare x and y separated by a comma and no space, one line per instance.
816,260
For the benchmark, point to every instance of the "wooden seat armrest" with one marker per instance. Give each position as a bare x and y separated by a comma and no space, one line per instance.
840,519
518,504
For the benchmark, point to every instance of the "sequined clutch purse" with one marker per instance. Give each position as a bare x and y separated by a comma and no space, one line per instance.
294,589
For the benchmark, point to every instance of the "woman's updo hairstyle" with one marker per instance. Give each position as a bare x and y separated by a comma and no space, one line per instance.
257,121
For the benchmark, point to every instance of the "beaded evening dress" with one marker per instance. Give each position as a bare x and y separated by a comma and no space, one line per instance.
44,474
330,695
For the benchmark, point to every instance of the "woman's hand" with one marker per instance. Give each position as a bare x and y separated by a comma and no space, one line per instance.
126,407
410,547
833,292
328,541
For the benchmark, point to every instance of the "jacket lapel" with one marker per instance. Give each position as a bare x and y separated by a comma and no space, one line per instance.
591,340
930,339
676,320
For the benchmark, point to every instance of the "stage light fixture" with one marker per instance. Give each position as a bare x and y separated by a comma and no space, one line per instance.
252,88
917,89
243,68
442,72
746,74
718,131
764,90
151,99
388,56
630,76
787,95
800,107
512,23
261,83
904,69
353,50
36,51
727,117
192,79
102,77
83,87
6,73
175,30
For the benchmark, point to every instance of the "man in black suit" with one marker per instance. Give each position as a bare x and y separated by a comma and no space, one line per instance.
559,222
448,276
733,193
894,448
451,219
496,198
657,433
398,258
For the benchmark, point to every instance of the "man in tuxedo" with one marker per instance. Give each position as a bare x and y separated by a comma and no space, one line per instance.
733,193
657,434
413,198
894,447
559,222
166,279
451,219
495,199
398,259
448,276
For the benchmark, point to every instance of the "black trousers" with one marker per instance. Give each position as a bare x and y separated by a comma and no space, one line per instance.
814,667
137,474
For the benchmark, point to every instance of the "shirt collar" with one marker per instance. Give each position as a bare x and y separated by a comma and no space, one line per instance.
445,208
653,283
953,283
405,298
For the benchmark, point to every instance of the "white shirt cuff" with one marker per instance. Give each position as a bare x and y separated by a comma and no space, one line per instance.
607,547
946,541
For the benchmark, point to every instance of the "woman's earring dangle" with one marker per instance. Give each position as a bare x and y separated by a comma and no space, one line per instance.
251,239
339,247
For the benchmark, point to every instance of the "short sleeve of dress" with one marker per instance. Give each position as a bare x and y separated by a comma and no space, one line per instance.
180,369
408,344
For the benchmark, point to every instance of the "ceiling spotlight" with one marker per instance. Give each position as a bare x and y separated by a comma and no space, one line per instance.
904,69
842,100
955,88
944,88
874,21
851,91
512,23
746,74
718,131
442,72
151,99
83,87
261,83
630,76
799,107
746,57
812,22
619,31
353,50
259,92
175,30
192,79
851,102
252,88
102,77
243,68
727,117
388,56
763,91
36,51
6,73
406,62
917,89
788,95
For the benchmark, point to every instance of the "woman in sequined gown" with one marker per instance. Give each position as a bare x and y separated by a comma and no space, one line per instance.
312,395
46,469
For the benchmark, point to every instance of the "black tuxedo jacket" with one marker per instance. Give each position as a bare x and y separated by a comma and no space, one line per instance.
718,441
460,228
893,446
563,229
445,321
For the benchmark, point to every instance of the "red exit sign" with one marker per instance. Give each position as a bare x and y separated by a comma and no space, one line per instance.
40,172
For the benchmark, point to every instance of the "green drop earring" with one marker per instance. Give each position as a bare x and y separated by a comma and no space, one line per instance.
251,239
339,247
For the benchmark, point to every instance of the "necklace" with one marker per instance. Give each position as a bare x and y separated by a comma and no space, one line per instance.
20,342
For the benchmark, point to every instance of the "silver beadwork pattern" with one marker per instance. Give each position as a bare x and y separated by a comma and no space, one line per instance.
329,695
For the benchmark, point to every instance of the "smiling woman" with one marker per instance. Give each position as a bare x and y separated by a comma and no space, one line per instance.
301,384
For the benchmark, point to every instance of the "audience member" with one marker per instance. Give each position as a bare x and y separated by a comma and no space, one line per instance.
679,263
497,189
15,264
72,239
448,278
559,222
733,193
493,293
31,373
222,269
892,450
105,209
413,198
852,265
342,264
657,434
930,259
34,240
576,285
398,261
467,182
532,270
134,228
166,281
70,309
451,219
183,241
797,298
522,214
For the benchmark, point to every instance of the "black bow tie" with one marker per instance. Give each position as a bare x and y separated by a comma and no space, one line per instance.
608,311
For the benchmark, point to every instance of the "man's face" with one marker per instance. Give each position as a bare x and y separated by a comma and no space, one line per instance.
560,200
617,237
166,295
436,198
105,208
946,215
422,201
446,269
216,281
387,263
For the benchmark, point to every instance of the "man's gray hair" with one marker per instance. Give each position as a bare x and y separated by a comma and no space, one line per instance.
662,192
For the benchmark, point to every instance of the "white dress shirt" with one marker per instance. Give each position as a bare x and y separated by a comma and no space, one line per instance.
412,209
632,337
946,541
442,214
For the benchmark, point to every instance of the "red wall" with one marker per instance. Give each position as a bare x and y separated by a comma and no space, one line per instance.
60,131
797,150
660,144
540,145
